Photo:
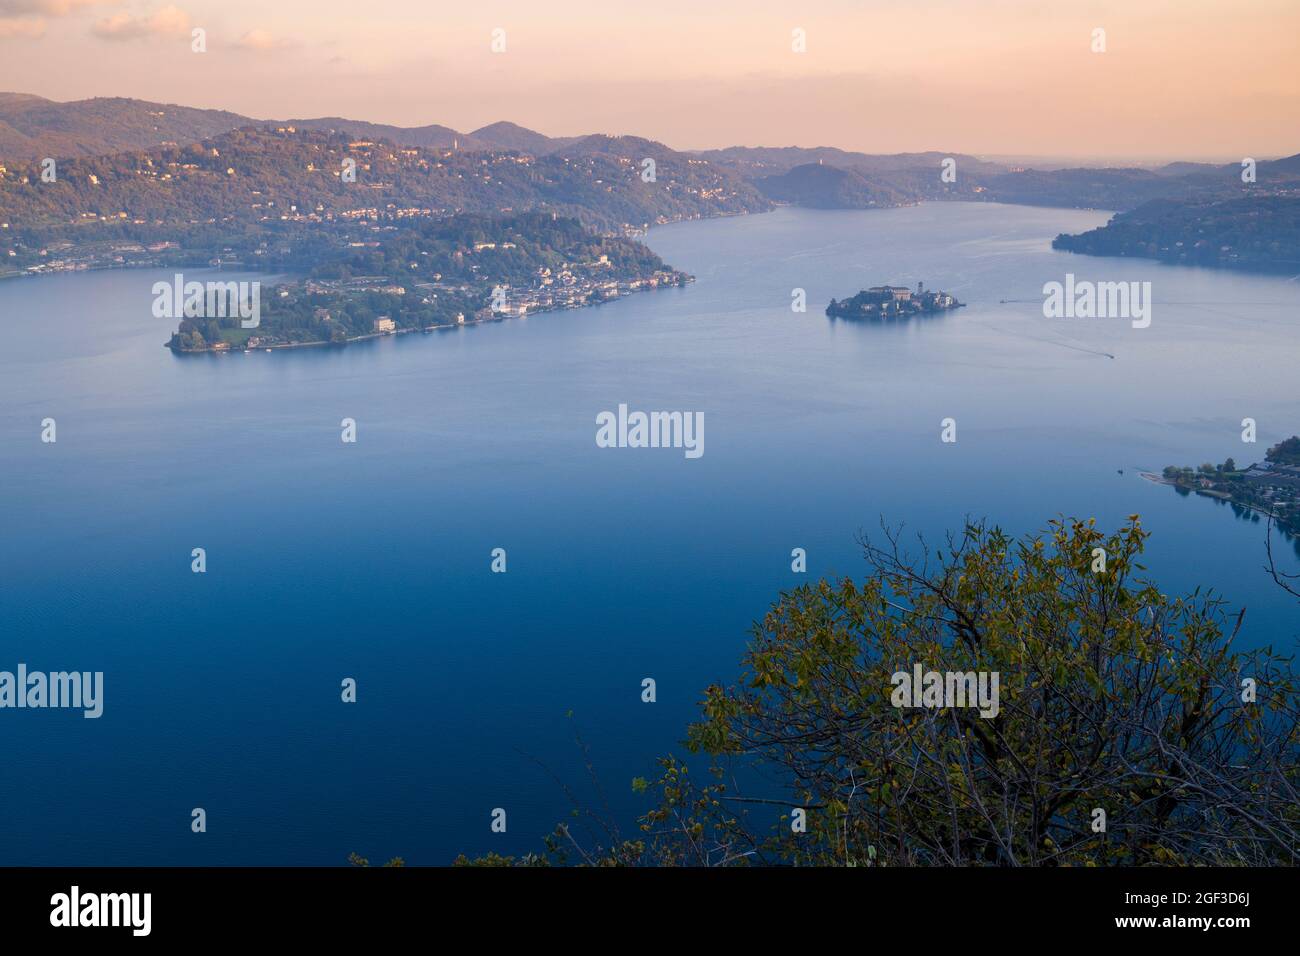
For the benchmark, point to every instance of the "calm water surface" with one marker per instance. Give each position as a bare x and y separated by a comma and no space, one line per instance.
371,560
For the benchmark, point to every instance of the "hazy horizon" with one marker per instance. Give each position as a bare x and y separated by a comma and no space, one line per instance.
1194,80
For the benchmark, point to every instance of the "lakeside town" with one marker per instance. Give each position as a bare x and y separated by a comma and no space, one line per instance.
565,290
433,274
1270,488
63,256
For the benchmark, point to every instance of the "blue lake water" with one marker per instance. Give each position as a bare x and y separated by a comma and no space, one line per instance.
371,561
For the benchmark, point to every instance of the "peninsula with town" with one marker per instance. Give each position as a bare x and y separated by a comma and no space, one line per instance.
1270,488
437,274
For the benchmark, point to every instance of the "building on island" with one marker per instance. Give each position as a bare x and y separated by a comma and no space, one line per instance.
892,301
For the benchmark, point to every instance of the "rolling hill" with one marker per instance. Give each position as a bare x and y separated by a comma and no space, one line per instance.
250,176
32,127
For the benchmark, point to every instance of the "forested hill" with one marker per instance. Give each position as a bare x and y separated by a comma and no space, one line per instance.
32,127
1256,232
840,179
700,183
827,187
256,175
1122,189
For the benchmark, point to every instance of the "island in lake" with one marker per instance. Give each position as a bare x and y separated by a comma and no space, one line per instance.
1270,487
892,302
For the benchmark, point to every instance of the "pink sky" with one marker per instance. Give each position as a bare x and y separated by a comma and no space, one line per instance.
1179,78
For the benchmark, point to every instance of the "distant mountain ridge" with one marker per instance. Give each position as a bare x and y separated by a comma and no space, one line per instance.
772,160
251,176
818,186
433,135
33,127
700,182
505,135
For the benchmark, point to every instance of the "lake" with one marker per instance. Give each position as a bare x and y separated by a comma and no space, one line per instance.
372,560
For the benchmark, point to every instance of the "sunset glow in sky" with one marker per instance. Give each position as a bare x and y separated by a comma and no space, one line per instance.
1179,78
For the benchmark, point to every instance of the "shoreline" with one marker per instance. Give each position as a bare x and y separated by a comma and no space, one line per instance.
426,329
638,233
1220,496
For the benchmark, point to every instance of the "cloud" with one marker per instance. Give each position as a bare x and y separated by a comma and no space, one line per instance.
50,8
170,21
28,27
27,18
257,39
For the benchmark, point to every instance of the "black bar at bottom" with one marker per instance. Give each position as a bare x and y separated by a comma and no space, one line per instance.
333,905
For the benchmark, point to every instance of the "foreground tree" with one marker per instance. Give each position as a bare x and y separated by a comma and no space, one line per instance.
1127,729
